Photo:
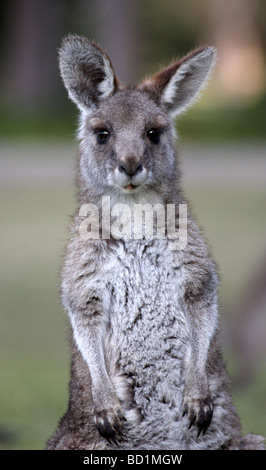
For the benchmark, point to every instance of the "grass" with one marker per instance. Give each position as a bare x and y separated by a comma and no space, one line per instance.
223,121
252,404
33,397
33,347
47,124
34,352
235,229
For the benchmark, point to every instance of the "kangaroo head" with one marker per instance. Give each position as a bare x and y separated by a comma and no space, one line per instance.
127,133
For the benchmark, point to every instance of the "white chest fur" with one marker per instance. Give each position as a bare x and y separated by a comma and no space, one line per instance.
148,330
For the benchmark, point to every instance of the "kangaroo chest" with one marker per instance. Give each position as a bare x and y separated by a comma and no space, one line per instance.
148,324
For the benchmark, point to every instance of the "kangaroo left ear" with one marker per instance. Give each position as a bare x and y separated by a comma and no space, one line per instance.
177,86
87,72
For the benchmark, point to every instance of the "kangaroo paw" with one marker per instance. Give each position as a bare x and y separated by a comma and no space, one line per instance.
199,411
108,423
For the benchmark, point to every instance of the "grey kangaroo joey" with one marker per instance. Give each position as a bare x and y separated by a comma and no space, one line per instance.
147,367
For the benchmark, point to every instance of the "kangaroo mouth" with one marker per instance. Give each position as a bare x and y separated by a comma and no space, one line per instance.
130,183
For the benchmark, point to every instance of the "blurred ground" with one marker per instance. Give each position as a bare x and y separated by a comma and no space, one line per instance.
226,185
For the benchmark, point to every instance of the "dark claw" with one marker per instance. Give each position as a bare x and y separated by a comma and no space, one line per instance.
199,414
108,426
106,431
202,429
199,431
111,440
192,421
185,410
115,442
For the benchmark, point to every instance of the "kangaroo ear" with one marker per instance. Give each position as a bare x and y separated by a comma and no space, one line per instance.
177,86
87,72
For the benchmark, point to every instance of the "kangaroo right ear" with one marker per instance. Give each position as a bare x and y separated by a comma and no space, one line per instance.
87,72
177,86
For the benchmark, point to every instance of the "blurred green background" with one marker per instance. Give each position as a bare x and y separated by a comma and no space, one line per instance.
222,151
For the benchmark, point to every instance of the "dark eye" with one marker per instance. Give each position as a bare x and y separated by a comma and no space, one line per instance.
154,135
102,136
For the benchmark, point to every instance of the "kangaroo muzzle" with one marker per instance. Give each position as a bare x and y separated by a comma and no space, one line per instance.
130,173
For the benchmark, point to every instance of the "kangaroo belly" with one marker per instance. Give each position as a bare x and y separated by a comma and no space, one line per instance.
149,332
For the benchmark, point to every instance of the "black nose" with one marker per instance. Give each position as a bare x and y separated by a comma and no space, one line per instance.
130,167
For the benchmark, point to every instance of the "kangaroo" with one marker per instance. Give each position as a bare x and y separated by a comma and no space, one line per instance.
147,369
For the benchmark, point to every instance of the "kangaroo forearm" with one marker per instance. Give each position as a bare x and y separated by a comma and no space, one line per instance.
203,319
88,330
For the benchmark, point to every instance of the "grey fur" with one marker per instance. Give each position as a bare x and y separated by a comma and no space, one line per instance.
147,368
